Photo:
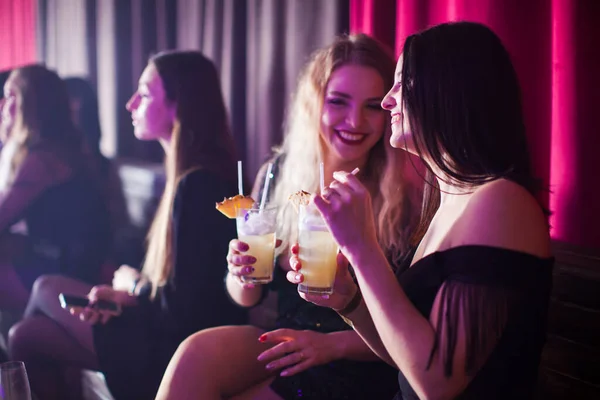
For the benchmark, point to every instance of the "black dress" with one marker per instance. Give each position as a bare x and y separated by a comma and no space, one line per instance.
506,291
68,232
339,379
135,348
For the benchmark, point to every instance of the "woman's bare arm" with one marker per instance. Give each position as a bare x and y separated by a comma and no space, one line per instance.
39,171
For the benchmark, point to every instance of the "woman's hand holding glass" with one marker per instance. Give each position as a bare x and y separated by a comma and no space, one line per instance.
344,287
240,264
348,212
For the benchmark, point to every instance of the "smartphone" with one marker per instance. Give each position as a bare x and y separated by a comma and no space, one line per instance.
69,301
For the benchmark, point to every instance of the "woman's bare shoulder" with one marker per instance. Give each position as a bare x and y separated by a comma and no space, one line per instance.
42,165
504,214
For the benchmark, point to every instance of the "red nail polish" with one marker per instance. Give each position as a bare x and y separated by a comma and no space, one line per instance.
262,338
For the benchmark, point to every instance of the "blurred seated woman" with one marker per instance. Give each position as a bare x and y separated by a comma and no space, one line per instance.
49,192
179,289
467,320
84,111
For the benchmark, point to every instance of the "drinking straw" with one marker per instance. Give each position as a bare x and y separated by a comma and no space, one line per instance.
263,200
240,179
322,177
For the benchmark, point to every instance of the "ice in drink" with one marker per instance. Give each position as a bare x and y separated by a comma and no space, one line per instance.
256,228
318,252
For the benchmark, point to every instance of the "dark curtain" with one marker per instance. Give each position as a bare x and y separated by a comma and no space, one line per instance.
554,46
259,47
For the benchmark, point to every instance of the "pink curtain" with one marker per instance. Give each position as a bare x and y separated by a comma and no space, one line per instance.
554,46
17,33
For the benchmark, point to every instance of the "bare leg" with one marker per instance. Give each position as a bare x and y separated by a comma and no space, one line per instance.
46,349
44,300
226,357
49,338
13,295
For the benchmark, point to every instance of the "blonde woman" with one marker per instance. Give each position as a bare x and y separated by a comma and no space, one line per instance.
53,218
178,103
335,118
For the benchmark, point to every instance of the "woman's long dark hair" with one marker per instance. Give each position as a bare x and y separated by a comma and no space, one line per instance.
200,139
462,95
43,116
88,120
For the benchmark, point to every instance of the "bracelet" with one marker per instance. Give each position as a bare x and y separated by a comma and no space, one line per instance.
352,305
135,284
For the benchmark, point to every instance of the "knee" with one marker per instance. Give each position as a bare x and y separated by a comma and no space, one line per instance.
208,345
202,345
46,286
18,339
191,346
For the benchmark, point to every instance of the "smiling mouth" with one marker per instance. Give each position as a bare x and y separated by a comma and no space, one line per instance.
351,139
396,118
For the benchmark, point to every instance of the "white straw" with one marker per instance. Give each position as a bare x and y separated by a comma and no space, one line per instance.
322,177
240,179
263,200
355,171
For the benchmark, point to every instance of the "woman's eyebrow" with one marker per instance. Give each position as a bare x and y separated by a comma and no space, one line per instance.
340,94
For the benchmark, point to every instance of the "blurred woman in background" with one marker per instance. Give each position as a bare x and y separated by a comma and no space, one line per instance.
48,184
84,110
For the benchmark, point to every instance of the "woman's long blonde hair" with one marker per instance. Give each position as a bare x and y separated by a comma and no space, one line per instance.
394,196
200,139
43,118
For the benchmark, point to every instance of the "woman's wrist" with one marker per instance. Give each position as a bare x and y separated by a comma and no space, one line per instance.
352,304
365,257
337,344
124,298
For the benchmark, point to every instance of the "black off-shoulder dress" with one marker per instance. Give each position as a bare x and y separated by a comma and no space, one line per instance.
506,293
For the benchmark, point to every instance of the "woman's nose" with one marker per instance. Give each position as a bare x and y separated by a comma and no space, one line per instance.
388,102
132,103
355,117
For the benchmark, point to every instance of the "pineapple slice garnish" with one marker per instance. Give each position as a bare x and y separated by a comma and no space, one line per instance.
299,198
229,207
